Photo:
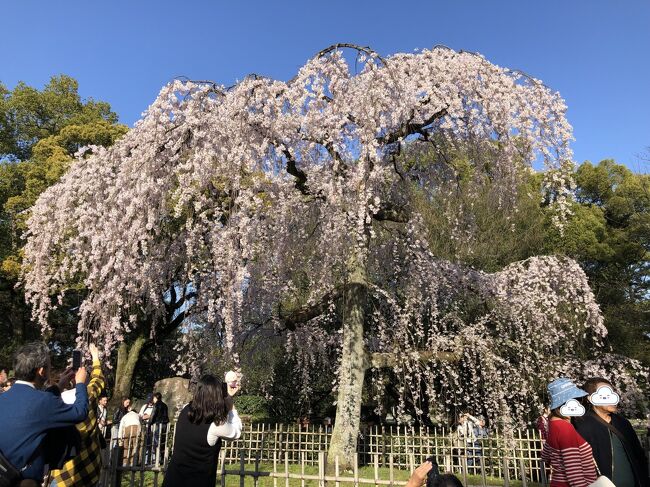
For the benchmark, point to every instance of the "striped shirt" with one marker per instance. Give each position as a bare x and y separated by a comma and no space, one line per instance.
569,455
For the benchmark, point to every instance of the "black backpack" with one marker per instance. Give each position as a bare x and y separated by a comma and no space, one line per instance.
9,475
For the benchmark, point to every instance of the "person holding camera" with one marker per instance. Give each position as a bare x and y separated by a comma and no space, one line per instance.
201,424
124,408
467,438
85,468
28,413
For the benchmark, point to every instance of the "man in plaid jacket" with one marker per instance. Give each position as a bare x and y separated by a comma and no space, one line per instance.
85,468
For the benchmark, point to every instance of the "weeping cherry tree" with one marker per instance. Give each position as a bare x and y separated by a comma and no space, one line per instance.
286,205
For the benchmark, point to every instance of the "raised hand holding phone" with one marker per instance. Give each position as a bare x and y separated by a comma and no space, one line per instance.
233,380
76,359
80,375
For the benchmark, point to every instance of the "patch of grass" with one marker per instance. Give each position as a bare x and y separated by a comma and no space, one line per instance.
150,479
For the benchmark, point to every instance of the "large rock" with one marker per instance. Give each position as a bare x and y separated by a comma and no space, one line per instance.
175,394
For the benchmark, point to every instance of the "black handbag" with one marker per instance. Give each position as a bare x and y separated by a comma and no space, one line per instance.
9,475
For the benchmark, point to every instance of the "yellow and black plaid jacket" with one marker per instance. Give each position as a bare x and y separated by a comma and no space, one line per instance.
85,468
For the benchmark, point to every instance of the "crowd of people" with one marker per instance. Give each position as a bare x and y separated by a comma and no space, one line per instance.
127,425
53,432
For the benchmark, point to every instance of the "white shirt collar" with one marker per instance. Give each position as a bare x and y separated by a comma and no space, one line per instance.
25,383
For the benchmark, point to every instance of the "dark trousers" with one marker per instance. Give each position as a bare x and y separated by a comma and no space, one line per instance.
159,439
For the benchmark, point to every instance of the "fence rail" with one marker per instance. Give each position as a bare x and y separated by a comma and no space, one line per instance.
297,455
398,449
352,476
405,446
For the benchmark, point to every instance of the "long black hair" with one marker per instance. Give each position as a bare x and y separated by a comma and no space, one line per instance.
447,480
211,402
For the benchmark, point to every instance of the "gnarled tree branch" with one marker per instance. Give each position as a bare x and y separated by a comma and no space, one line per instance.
381,360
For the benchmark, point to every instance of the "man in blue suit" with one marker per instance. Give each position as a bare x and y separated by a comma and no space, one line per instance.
27,413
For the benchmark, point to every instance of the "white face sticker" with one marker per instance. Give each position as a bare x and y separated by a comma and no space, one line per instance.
572,408
604,396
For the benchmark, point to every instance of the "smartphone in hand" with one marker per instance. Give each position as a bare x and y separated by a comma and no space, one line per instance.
76,359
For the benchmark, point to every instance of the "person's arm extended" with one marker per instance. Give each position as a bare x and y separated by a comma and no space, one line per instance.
97,382
230,430
59,414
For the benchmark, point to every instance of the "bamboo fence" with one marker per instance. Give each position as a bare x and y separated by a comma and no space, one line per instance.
380,448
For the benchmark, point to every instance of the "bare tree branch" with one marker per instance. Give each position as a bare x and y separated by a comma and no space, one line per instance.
410,128
292,319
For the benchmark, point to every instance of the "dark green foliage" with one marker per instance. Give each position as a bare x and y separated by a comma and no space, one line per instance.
609,235
40,130
253,406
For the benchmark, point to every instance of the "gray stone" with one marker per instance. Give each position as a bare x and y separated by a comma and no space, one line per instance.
175,394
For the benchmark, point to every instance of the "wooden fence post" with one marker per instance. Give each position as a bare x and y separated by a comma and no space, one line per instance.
242,479
223,469
376,469
356,470
524,480
275,468
321,469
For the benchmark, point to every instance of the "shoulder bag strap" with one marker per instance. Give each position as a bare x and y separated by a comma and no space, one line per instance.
615,430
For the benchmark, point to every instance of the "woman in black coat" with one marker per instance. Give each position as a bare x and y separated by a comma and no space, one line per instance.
209,417
616,447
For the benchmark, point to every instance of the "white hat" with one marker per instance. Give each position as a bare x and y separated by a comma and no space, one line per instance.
232,376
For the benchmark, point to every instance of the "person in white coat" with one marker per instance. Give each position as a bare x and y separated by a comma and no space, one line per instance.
128,434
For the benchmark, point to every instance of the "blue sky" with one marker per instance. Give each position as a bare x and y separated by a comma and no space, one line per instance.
596,52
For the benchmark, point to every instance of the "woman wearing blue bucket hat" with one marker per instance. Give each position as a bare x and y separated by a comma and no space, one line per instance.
568,454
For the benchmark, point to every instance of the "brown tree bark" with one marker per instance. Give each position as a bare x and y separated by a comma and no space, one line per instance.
127,359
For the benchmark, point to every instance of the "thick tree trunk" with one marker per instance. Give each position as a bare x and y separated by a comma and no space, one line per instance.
127,359
351,373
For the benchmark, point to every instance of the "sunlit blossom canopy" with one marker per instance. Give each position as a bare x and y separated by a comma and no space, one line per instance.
260,195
